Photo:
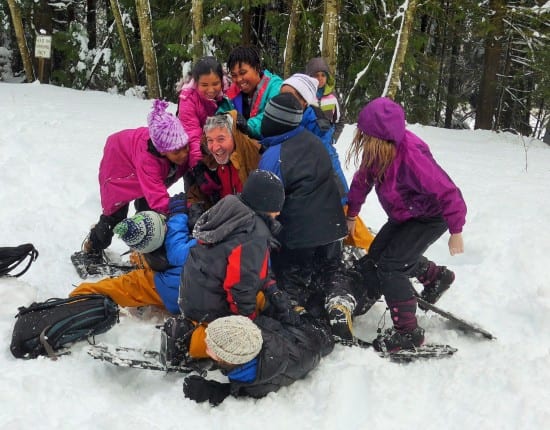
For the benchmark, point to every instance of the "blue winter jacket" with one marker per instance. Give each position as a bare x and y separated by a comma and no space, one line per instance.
178,243
312,122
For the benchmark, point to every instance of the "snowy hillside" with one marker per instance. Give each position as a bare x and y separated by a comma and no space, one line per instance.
51,141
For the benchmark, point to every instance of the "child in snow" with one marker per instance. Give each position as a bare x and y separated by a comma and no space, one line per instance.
258,357
326,97
228,271
421,202
199,99
307,266
304,88
138,164
252,86
148,233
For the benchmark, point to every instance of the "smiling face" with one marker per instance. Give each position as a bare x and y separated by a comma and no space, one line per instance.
220,144
209,85
246,77
178,156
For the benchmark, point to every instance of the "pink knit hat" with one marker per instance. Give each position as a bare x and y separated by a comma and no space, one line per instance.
165,129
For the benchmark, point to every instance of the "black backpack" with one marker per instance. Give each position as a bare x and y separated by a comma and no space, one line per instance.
43,328
13,256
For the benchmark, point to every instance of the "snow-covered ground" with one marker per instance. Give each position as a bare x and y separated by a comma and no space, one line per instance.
51,142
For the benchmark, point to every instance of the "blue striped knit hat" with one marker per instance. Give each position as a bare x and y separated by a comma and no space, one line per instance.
144,232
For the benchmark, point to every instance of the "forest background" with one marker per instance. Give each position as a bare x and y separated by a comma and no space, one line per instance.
462,64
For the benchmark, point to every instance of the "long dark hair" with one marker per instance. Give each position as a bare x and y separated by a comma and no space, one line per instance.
205,66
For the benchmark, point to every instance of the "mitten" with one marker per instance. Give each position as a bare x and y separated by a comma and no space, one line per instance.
200,390
178,204
283,309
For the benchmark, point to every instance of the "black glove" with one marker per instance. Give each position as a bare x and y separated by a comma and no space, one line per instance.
195,211
200,390
242,124
283,310
178,204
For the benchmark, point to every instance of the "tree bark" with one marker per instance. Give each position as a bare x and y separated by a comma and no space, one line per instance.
91,23
115,8
21,41
329,49
196,37
291,36
149,56
394,81
486,102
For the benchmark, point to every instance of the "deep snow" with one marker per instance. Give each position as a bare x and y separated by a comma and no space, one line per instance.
51,141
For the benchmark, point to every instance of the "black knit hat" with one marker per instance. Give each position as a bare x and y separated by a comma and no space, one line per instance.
282,113
263,191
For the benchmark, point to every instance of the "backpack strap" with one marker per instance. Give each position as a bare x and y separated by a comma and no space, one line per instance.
11,257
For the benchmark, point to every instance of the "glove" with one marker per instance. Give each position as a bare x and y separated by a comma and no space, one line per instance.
195,211
206,179
283,309
178,204
242,124
200,390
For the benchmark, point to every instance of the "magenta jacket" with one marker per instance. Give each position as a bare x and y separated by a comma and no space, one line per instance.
193,109
131,168
415,186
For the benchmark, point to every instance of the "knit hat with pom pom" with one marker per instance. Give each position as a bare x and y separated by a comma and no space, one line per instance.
144,232
165,130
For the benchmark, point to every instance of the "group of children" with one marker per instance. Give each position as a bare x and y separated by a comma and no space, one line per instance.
249,258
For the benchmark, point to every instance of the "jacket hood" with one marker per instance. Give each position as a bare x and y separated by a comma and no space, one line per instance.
384,119
230,215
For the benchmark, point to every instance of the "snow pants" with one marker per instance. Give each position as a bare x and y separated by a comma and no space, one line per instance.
133,289
395,253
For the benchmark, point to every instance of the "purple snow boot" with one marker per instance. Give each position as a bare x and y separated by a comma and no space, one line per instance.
436,280
405,334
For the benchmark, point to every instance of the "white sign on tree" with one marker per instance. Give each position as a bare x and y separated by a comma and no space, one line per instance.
43,47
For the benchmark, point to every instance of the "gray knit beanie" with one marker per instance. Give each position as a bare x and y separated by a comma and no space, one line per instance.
282,113
235,339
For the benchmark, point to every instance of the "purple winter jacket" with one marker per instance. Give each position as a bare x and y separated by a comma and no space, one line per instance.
414,186
193,109
128,171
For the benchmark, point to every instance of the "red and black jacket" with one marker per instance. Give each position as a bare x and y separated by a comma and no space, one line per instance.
229,265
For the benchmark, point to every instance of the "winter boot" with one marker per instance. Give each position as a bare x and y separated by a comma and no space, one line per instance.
340,311
436,280
405,334
175,336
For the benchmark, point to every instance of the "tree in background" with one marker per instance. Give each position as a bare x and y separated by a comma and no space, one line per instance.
143,10
15,12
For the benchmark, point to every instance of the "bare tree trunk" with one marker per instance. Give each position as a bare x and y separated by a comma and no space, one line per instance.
21,41
394,81
115,8
197,10
329,49
488,86
452,84
247,24
91,23
291,36
149,56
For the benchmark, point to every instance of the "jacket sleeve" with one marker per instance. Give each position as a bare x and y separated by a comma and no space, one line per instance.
188,115
255,123
247,267
178,242
151,175
358,191
436,182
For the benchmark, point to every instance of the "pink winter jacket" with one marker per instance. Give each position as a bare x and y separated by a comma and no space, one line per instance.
193,110
128,171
